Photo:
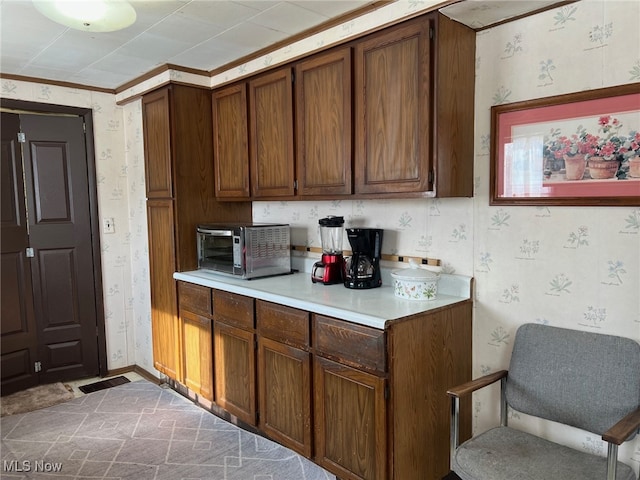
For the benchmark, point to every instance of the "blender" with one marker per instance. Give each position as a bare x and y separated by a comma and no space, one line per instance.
330,269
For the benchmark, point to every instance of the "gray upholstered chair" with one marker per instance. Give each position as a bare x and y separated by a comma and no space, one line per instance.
587,380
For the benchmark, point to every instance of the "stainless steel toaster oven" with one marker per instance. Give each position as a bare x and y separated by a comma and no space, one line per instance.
248,250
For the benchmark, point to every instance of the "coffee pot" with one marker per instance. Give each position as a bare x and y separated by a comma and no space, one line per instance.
362,268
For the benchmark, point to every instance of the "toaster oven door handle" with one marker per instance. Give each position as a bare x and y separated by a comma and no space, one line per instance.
220,233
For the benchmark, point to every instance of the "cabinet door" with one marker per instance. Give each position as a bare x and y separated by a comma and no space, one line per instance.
392,84
157,145
350,427
323,124
271,130
230,142
197,348
164,302
235,371
284,390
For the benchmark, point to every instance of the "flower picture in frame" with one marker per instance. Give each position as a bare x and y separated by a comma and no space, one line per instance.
576,149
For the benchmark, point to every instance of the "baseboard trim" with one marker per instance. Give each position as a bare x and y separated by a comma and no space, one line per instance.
135,369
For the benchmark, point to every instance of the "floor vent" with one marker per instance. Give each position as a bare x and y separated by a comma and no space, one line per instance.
101,385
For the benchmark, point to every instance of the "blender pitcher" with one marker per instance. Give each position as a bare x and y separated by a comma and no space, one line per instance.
329,270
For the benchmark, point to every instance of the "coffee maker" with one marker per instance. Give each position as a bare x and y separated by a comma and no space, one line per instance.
329,270
362,268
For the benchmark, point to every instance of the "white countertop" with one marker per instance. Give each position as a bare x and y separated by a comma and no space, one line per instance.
371,307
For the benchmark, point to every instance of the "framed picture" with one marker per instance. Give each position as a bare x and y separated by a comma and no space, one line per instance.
576,149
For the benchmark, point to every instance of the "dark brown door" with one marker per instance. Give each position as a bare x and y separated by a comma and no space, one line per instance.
18,325
60,238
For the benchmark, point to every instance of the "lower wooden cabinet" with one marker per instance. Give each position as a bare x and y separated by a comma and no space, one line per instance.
284,375
362,402
350,421
198,353
284,392
194,316
234,371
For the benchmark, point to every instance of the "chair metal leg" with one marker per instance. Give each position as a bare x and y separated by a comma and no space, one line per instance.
454,425
503,402
612,461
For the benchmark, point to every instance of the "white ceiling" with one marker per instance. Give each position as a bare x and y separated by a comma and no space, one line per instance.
199,34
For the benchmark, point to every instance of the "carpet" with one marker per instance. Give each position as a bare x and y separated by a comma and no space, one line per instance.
35,398
102,384
144,432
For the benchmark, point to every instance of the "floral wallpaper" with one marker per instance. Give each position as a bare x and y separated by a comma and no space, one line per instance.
573,267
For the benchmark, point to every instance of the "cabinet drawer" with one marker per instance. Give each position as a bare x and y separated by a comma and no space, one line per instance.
284,324
233,309
348,343
195,298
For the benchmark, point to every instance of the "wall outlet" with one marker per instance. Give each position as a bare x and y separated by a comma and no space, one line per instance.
108,225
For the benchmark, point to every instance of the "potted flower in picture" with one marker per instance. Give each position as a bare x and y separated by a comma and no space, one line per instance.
571,151
630,151
605,155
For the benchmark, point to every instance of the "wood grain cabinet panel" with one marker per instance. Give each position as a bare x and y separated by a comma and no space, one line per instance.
157,144
234,309
235,371
164,302
323,124
350,421
393,104
197,348
414,109
271,134
195,298
284,324
197,338
356,345
284,391
231,142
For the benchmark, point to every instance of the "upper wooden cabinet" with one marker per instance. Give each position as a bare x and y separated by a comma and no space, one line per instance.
323,124
414,88
392,110
387,114
453,107
271,134
231,142
157,144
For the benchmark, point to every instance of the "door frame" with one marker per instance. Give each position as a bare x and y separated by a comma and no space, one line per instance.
22,106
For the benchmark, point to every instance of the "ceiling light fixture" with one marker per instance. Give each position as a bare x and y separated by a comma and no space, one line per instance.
88,15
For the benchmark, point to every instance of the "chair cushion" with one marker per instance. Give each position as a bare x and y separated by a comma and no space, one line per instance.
504,453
